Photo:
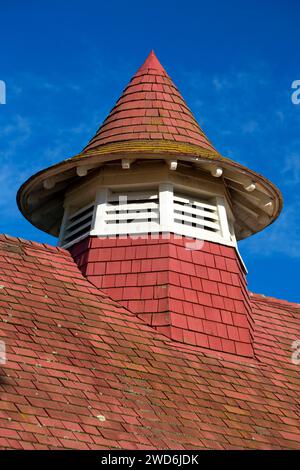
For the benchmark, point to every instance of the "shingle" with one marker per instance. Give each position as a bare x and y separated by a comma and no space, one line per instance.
76,354
150,92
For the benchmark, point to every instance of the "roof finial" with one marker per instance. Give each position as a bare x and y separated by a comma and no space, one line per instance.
152,62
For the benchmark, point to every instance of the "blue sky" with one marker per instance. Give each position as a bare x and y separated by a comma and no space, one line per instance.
66,63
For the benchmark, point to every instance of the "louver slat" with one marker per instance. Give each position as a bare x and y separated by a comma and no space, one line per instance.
194,217
78,224
137,212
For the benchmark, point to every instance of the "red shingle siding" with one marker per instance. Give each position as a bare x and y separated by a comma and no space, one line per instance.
73,354
197,297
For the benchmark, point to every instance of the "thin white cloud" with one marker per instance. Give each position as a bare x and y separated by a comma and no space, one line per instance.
14,135
250,127
282,237
239,106
291,169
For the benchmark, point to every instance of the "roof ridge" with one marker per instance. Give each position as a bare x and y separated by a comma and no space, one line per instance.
5,238
266,298
56,329
107,301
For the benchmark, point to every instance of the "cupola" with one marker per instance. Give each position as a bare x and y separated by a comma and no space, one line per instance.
152,214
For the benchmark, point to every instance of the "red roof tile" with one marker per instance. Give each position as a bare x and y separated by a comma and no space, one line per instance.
150,107
83,372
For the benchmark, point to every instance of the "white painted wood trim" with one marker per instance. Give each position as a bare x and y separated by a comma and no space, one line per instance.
166,207
63,225
131,215
241,259
98,221
159,211
191,199
225,232
197,221
199,212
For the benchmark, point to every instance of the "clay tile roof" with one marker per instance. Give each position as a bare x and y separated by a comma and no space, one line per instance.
83,372
151,107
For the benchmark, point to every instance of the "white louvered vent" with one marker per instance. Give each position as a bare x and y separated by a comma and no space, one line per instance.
134,212
78,224
194,216
161,210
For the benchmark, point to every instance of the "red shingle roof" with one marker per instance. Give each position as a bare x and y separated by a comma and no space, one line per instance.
83,372
150,107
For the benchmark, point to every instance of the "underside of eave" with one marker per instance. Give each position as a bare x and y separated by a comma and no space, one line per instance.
65,174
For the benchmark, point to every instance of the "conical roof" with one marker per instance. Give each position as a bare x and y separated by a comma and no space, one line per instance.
150,121
150,107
